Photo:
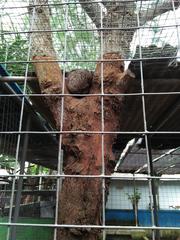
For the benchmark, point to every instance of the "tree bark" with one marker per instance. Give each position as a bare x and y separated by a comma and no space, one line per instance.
81,199
41,39
119,40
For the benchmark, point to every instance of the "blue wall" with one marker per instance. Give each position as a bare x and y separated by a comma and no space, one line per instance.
166,218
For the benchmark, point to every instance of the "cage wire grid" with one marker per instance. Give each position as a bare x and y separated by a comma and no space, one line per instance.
82,42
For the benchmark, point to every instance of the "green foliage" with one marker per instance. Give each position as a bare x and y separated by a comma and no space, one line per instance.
134,197
35,169
81,45
147,235
170,234
7,162
14,49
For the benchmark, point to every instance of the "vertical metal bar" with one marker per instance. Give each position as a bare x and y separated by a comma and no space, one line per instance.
102,129
3,124
145,128
20,125
152,174
177,28
153,186
40,183
60,156
61,170
135,204
20,181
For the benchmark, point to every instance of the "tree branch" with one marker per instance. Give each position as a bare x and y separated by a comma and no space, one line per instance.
157,9
93,10
42,42
42,51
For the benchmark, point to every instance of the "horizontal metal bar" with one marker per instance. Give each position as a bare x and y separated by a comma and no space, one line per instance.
17,79
33,192
92,132
89,226
91,61
30,191
101,176
70,3
21,79
90,29
88,95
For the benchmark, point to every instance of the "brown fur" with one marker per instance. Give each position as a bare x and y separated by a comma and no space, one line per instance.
79,81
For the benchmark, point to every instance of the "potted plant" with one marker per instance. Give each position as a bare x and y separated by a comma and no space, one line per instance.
134,198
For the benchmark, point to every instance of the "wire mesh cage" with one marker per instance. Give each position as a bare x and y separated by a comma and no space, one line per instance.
89,119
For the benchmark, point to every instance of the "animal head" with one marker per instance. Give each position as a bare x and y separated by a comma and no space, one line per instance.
79,81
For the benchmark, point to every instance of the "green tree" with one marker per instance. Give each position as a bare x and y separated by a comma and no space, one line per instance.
135,198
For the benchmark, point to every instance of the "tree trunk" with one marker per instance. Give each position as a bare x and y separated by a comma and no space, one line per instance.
118,21
121,16
81,199
41,39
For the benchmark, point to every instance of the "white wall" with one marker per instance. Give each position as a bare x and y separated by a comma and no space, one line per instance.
169,194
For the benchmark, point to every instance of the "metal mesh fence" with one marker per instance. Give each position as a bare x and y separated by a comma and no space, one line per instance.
89,119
